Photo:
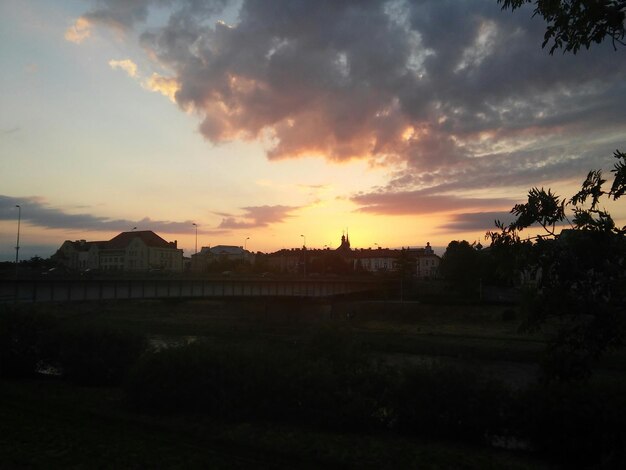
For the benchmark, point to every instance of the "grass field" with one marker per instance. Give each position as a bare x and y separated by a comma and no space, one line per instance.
48,423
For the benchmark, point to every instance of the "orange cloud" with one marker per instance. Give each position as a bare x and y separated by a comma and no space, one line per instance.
79,31
126,65
167,86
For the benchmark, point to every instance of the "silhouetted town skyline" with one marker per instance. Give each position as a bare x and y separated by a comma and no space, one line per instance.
144,250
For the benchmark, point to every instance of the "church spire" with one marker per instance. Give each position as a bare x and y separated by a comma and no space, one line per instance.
345,242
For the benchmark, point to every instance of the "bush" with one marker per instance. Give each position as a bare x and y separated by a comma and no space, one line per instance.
25,342
577,424
97,355
452,403
279,383
509,315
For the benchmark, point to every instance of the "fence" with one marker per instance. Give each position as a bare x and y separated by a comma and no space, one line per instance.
109,289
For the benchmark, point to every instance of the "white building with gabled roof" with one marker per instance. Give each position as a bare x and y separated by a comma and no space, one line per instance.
129,251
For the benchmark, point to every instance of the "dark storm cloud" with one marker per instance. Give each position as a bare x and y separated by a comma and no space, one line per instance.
37,212
259,216
450,94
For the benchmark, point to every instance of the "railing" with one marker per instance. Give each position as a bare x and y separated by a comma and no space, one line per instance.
89,289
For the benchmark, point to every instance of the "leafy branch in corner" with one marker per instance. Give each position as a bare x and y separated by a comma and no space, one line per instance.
572,24
580,273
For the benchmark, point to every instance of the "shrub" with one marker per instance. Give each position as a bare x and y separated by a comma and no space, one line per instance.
578,424
509,315
197,377
453,403
97,355
279,383
24,342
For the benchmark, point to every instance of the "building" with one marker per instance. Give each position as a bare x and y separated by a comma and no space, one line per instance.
423,263
79,255
220,254
287,261
375,261
129,251
426,261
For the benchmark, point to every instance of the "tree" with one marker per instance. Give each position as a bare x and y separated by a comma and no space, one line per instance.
460,265
583,270
573,24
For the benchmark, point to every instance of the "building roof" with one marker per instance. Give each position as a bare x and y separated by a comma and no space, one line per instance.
148,237
377,253
226,250
83,245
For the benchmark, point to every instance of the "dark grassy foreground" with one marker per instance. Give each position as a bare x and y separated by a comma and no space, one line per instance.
50,424
290,385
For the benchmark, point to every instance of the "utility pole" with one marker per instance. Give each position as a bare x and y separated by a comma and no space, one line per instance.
196,225
17,246
304,252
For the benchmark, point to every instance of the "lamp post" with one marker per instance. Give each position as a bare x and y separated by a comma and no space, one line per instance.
17,246
245,243
196,225
304,248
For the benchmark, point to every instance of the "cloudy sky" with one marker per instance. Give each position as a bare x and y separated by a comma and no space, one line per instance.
403,121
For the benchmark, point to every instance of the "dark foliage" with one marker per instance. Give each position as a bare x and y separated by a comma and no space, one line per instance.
25,342
462,266
580,272
324,382
572,24
582,426
97,355
452,403
328,382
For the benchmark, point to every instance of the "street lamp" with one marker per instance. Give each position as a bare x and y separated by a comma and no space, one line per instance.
196,225
17,246
245,243
304,247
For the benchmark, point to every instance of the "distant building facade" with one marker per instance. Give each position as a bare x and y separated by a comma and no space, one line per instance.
423,263
287,261
208,256
129,251
426,261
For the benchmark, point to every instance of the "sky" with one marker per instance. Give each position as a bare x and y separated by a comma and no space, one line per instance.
271,123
